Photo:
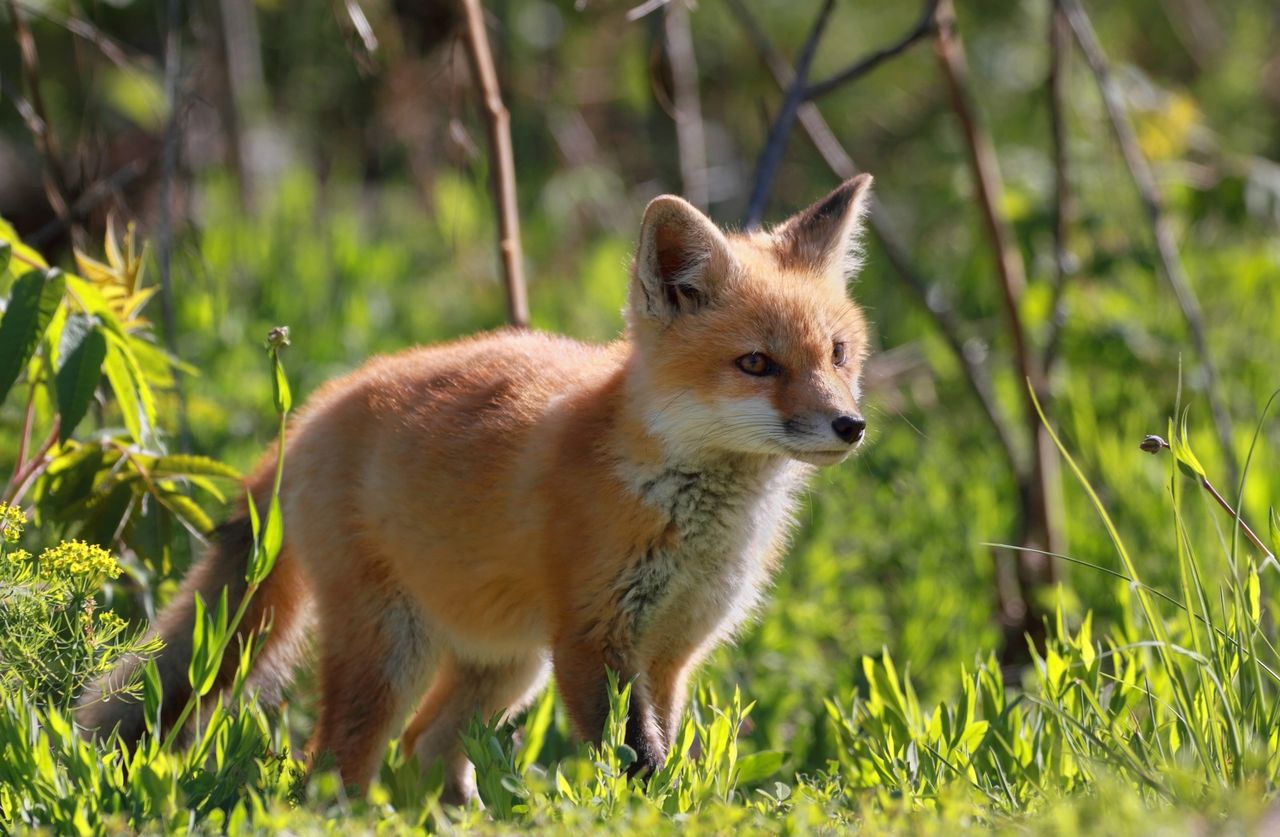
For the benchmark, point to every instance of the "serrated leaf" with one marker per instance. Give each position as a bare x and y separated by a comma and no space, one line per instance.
145,402
188,512
185,465
78,378
126,394
20,252
34,299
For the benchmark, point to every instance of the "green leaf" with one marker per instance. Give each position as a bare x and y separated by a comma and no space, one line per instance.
1254,590
143,402
78,378
760,766
1275,532
1181,449
283,397
566,789
152,694
185,465
35,297
973,735
201,648
272,539
187,511
6,250
126,393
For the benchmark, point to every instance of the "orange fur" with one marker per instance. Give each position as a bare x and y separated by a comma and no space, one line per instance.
469,516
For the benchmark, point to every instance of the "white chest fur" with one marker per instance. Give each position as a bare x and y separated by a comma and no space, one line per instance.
727,520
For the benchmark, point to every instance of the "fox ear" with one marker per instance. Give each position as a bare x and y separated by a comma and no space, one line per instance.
824,238
682,259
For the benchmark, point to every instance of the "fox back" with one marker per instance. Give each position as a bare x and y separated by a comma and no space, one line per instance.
463,520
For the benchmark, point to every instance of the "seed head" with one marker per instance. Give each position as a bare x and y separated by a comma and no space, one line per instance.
1153,444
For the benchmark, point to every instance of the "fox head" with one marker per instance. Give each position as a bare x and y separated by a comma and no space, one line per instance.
748,342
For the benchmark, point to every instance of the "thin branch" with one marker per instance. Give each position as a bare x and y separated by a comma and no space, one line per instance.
503,174
776,141
168,171
1059,35
33,467
690,136
923,29
1039,493
927,293
90,198
111,49
1152,201
37,118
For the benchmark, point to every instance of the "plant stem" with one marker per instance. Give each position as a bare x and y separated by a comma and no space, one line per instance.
1244,527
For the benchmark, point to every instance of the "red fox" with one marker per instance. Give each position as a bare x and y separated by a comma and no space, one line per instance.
463,520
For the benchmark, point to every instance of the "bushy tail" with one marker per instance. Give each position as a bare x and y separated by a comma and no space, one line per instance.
281,601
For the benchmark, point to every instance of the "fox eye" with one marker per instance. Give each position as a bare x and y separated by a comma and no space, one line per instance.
839,353
758,364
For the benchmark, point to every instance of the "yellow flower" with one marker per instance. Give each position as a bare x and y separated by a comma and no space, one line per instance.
11,522
110,621
78,560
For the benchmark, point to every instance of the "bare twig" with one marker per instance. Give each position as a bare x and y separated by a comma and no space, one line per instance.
690,137
1039,493
111,49
927,293
90,198
776,141
1059,35
922,29
37,118
168,171
1152,201
33,467
498,124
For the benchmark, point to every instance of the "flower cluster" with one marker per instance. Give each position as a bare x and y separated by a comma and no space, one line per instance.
79,560
11,522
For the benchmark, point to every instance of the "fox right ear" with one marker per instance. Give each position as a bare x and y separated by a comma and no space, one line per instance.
681,259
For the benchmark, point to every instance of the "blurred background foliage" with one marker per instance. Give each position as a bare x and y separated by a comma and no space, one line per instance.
328,172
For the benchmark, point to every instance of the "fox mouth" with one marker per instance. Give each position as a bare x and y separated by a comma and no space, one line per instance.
822,458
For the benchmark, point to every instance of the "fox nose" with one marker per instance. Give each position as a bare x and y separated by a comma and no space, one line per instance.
849,428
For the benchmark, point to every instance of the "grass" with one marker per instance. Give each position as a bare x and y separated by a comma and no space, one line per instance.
867,696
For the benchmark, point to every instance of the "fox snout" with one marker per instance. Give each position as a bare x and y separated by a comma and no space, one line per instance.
850,429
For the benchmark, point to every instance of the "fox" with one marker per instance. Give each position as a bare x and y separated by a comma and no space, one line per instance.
464,521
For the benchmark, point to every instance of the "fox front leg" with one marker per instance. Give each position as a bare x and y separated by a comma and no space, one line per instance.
581,670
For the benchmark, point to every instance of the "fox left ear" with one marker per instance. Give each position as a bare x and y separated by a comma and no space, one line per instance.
824,238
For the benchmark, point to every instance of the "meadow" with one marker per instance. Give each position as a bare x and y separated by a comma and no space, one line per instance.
882,688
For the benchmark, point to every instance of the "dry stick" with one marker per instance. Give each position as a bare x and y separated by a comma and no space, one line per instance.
37,119
776,141
503,175
1149,192
690,137
168,170
1040,511
111,49
1059,35
91,197
922,29
927,293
